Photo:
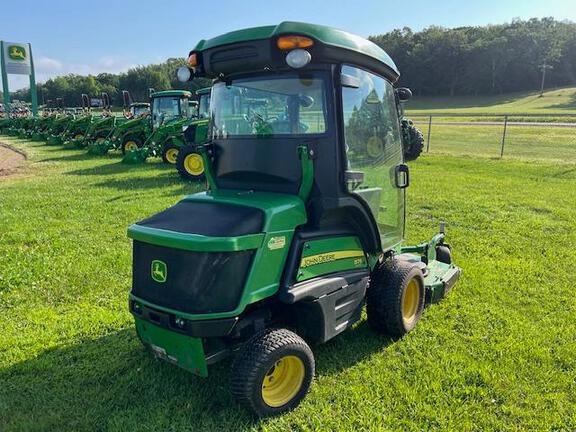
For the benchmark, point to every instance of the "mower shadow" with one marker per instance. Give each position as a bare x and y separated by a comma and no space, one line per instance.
116,167
114,382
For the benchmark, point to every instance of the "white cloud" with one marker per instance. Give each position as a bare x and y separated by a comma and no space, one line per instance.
47,65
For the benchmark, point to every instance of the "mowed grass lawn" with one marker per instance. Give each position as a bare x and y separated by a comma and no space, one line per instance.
498,354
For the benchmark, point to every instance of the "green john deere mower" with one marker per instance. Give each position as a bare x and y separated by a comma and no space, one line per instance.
103,135
303,221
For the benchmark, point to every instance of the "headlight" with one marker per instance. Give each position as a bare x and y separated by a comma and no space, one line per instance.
183,73
298,58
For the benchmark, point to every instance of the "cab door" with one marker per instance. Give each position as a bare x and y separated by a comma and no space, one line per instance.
375,170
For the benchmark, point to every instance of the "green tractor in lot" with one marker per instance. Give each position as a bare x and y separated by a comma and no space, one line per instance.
107,131
303,220
172,113
60,123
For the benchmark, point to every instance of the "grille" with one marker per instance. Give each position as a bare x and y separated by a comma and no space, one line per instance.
195,282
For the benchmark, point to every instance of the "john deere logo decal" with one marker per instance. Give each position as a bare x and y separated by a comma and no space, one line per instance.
16,52
159,271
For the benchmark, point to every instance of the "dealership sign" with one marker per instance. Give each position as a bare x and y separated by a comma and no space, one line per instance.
17,58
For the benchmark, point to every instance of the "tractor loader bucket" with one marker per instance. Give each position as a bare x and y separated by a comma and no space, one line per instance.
54,140
99,148
69,144
133,157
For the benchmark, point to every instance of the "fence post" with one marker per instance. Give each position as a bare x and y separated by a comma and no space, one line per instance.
503,137
429,129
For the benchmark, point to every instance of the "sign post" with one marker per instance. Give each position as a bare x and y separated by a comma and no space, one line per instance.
16,58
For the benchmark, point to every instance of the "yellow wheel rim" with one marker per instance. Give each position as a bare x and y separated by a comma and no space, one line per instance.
171,155
130,145
283,381
99,140
411,300
78,136
194,164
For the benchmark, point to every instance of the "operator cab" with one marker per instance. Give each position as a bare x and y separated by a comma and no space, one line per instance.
170,105
338,103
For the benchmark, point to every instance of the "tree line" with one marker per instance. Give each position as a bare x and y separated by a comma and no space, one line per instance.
482,60
136,80
476,60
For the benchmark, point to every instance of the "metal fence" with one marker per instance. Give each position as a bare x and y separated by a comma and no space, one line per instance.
549,137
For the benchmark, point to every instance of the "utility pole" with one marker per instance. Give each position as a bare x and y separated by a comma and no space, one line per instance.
544,67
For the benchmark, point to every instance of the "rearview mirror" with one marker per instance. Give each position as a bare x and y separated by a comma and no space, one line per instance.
349,81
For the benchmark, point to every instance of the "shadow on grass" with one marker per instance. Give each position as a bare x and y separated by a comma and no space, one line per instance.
68,158
157,182
115,167
114,381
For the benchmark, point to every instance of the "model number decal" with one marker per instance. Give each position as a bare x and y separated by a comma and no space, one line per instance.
333,256
276,242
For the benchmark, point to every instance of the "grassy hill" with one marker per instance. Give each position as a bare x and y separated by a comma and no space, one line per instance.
557,101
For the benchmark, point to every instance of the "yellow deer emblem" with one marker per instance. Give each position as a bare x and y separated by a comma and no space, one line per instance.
17,53
159,271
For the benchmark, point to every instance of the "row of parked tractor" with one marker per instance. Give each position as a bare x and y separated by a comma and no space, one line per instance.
168,126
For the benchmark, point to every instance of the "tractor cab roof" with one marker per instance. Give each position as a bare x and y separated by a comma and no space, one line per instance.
140,105
203,91
256,48
171,93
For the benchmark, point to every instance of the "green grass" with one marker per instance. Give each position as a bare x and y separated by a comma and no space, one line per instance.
553,144
557,101
497,354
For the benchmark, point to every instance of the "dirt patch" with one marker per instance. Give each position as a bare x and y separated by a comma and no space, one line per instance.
11,159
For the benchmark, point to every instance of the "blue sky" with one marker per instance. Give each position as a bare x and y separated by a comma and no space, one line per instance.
105,36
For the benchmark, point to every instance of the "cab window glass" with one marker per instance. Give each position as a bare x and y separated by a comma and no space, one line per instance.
373,148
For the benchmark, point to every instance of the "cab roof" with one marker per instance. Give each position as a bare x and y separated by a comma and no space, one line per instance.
327,36
169,93
140,104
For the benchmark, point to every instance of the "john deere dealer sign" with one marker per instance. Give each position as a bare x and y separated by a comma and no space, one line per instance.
17,58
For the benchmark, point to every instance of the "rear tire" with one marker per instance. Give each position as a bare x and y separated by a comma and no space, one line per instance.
413,141
395,298
189,164
273,372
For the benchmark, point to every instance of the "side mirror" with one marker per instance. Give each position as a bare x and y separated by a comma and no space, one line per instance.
404,94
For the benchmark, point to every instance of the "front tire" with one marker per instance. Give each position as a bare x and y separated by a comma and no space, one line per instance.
170,154
190,164
273,372
130,144
395,298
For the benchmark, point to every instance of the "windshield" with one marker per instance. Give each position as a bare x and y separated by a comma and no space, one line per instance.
165,109
287,105
204,106
139,110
